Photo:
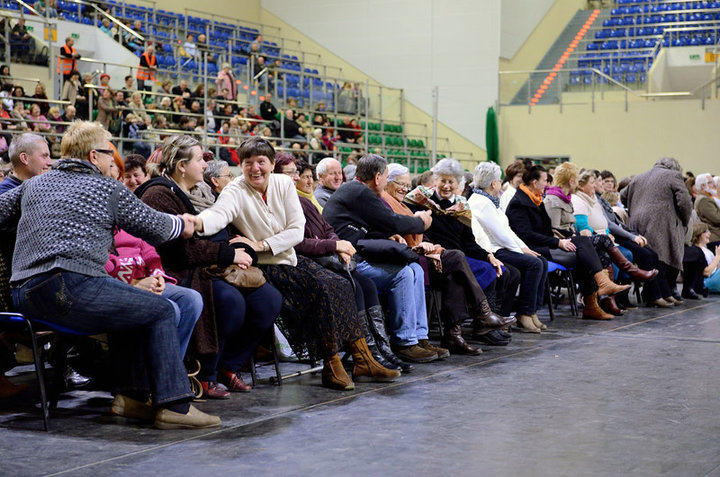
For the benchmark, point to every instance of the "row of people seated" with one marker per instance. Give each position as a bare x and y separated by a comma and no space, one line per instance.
401,240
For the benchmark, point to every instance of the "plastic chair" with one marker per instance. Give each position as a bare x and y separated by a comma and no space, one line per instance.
565,275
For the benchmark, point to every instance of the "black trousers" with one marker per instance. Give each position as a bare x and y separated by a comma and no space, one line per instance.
584,262
693,265
647,259
461,293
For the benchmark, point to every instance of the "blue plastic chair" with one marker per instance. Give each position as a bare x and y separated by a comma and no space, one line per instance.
566,276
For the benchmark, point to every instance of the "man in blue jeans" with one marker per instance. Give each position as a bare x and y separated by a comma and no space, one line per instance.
65,222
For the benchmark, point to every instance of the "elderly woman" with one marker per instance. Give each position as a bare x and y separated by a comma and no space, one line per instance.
265,208
507,246
448,271
232,322
532,224
660,207
451,229
73,209
706,207
106,108
322,241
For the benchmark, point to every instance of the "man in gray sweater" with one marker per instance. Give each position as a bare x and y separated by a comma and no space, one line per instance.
65,222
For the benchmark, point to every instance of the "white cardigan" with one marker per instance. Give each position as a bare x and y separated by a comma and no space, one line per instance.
280,222
492,222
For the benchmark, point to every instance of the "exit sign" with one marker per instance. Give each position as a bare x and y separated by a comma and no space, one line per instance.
695,57
75,35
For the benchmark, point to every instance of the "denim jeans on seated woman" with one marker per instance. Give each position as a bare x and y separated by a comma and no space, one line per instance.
105,305
189,305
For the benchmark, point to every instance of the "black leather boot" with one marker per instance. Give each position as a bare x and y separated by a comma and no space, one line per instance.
376,325
372,346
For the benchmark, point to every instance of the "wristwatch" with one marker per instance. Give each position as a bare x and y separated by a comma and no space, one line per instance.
265,246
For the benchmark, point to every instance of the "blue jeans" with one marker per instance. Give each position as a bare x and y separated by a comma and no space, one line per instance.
405,286
188,305
533,272
105,305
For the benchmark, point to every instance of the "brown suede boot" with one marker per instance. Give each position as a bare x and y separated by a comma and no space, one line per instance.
538,323
607,286
591,309
367,369
630,268
334,375
527,324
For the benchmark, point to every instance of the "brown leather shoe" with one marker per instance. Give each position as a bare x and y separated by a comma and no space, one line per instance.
213,390
441,353
334,375
233,382
8,389
415,354
455,343
607,286
367,368
661,303
591,309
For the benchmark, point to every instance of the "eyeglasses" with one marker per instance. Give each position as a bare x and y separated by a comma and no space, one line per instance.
401,185
109,152
229,175
291,173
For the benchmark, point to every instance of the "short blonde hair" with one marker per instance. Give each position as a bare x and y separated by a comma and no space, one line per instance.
564,173
81,137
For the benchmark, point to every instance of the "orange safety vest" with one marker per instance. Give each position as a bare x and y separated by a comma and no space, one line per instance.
146,74
67,65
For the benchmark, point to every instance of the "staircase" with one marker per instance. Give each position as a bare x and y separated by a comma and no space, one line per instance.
550,60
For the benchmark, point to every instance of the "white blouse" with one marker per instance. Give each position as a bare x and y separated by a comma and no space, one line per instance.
491,221
280,222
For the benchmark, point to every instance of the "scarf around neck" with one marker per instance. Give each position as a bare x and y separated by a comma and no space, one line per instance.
558,192
311,198
536,198
427,198
493,199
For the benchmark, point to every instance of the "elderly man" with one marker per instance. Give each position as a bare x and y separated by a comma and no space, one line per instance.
146,69
66,223
356,212
330,175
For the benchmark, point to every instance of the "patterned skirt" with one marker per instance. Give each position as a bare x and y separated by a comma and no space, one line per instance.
602,244
319,308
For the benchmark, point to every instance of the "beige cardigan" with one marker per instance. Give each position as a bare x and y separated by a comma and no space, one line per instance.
280,222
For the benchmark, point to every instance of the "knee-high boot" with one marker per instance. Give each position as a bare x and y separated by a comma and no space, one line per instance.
376,325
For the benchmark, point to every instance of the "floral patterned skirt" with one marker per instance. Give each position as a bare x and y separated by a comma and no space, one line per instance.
319,309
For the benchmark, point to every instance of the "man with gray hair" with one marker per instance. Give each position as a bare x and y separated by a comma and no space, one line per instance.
330,175
356,212
30,157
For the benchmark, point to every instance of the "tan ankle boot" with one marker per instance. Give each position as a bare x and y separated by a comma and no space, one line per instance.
366,368
334,375
538,323
607,286
525,322
592,310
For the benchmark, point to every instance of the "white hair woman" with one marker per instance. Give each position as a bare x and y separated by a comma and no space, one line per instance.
507,246
451,229
707,209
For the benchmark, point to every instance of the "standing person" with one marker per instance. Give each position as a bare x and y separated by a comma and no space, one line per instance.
659,207
226,83
146,69
72,210
67,61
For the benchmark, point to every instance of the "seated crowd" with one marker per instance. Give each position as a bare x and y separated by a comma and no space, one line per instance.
199,265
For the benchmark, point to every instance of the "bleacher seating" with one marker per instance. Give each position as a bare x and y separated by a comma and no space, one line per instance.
627,43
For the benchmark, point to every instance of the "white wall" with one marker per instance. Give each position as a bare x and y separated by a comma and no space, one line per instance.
518,19
415,45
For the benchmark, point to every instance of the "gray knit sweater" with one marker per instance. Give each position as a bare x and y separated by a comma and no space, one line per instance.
67,217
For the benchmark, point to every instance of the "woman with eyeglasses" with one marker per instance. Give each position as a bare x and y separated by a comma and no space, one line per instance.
266,210
449,272
321,240
232,323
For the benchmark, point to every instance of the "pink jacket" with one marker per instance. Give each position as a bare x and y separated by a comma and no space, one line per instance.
135,259
226,80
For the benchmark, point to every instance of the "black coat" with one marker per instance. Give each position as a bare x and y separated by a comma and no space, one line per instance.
356,212
531,223
450,233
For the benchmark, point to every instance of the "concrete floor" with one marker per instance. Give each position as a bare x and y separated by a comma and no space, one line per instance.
639,395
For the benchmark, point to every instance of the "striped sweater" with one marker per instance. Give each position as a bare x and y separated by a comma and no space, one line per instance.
67,218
